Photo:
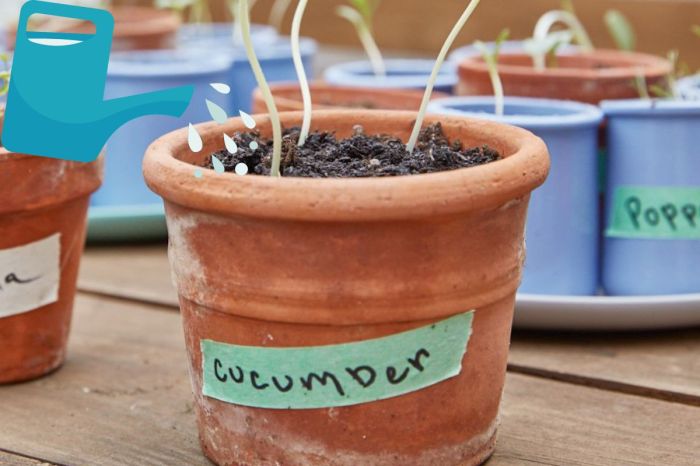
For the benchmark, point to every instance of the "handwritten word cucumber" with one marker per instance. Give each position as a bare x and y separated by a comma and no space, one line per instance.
655,212
335,375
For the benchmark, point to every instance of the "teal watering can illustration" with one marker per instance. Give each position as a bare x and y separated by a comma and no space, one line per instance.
55,106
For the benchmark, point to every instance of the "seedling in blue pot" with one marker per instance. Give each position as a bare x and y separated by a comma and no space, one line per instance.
491,59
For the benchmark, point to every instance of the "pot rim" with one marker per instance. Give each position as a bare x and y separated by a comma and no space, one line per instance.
578,114
157,21
650,107
279,49
348,73
349,199
650,64
167,62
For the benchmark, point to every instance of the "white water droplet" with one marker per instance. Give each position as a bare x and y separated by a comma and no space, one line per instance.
247,119
218,166
241,169
194,139
221,88
217,113
198,173
231,145
253,145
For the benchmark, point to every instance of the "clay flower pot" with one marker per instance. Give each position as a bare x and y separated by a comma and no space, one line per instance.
585,77
299,262
42,219
135,28
288,98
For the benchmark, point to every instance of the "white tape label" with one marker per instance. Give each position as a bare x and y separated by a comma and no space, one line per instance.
30,276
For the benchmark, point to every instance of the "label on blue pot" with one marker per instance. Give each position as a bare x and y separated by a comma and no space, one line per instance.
336,375
30,276
655,212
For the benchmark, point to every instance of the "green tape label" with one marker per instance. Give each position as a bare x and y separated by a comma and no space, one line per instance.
336,375
655,212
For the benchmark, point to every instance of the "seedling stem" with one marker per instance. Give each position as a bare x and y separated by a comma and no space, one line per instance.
301,72
361,19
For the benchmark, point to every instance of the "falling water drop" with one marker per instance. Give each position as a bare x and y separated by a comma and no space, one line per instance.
241,169
247,120
194,139
221,88
218,166
198,173
231,145
253,145
217,113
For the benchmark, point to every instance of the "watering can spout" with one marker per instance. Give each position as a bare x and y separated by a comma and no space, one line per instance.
171,102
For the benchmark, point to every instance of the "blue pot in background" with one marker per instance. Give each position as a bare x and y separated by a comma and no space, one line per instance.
189,34
137,72
562,231
652,243
400,74
275,59
690,87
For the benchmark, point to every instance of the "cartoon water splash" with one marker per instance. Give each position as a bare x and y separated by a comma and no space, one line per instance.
221,88
230,144
248,120
218,166
194,139
217,113
241,169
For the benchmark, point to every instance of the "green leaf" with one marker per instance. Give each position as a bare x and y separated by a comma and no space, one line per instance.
365,8
502,37
620,30
660,91
568,5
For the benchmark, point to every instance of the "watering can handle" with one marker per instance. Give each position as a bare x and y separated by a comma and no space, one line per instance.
102,19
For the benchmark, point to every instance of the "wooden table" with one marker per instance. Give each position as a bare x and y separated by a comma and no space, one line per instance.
123,397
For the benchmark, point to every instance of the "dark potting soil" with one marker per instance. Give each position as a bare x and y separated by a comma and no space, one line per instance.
360,155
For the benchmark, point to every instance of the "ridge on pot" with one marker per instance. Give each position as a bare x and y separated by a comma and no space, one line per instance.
585,77
328,261
562,225
400,74
288,97
42,219
652,239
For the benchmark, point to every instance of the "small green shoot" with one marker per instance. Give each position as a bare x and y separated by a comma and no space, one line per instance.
491,59
696,29
243,21
301,73
620,30
413,139
198,9
640,84
361,15
543,41
277,11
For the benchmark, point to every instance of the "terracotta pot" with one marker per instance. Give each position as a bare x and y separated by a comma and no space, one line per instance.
585,77
40,198
288,98
298,262
135,28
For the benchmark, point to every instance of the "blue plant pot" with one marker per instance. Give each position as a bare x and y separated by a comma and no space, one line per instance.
189,35
145,71
562,227
275,59
400,74
652,145
690,87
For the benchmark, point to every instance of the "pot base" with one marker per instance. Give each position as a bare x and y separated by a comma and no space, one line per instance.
46,366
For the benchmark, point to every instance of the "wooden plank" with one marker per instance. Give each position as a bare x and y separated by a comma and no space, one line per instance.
124,398
658,364
10,459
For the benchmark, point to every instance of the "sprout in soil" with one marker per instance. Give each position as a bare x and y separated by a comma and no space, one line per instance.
198,9
620,30
544,42
301,73
436,69
491,59
361,18
243,21
277,12
671,89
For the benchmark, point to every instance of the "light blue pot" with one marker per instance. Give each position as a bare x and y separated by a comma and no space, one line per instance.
190,34
690,87
651,144
562,227
400,74
275,59
145,71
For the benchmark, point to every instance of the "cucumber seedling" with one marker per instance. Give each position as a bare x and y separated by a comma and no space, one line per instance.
301,72
545,42
620,30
